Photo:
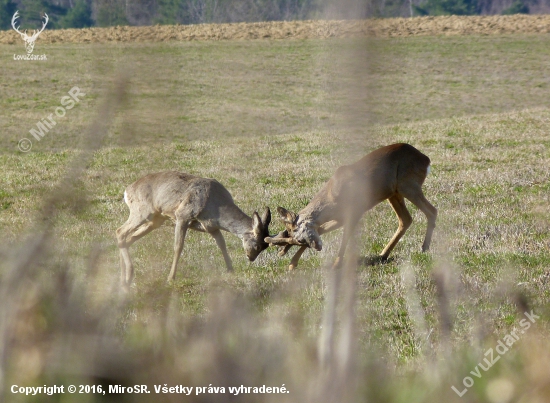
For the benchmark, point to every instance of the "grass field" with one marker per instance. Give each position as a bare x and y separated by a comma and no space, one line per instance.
272,120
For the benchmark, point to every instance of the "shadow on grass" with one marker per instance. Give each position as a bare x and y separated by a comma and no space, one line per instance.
373,260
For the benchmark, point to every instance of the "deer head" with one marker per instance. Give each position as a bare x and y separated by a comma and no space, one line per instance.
298,232
254,242
29,40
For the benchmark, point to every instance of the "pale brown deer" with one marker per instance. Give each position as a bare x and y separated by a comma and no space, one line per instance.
394,173
193,202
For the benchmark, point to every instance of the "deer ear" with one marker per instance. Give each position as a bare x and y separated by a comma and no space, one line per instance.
288,217
257,226
266,218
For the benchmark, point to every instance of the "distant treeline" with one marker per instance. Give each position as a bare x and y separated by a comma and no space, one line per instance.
87,13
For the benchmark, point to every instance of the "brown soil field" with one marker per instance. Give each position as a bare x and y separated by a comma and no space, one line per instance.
391,27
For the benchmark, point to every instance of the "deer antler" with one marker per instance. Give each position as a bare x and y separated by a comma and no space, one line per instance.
35,34
282,239
15,17
43,25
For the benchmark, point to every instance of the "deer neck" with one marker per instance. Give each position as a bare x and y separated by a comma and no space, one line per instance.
318,212
234,220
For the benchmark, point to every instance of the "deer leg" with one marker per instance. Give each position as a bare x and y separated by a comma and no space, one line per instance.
284,249
220,241
405,221
179,237
349,228
296,257
127,234
329,226
420,201
126,267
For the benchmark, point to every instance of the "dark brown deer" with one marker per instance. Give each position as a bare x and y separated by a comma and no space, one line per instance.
394,173
193,203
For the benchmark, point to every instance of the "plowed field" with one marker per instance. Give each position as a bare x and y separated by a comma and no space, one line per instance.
392,27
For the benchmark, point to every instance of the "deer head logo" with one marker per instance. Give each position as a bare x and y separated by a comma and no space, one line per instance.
29,40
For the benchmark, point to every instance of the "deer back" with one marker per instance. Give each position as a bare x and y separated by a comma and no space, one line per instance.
166,192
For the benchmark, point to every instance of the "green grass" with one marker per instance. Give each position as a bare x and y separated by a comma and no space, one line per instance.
272,121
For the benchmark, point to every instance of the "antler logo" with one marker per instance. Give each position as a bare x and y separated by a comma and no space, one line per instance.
29,40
